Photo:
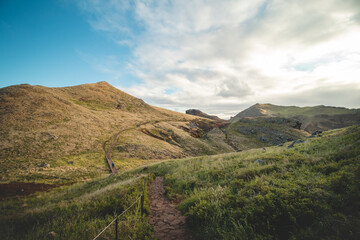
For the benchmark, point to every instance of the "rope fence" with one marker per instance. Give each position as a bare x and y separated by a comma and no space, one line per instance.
139,200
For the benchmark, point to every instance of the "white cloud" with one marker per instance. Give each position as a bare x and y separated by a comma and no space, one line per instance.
222,56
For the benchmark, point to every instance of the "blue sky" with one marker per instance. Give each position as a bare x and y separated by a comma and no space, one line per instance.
49,42
218,56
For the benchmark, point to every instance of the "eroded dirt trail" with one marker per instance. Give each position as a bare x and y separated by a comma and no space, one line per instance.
167,220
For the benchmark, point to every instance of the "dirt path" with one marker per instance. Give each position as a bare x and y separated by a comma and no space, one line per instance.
167,220
108,158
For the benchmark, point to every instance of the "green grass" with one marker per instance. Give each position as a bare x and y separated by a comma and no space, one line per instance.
80,211
311,191
63,170
293,111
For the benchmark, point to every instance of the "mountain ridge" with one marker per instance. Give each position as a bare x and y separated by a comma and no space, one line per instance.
313,118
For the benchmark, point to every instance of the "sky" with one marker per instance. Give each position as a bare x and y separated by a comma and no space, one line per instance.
219,56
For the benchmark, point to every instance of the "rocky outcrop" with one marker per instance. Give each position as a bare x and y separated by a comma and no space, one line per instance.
266,134
276,120
161,136
270,130
315,134
296,142
259,161
198,128
199,113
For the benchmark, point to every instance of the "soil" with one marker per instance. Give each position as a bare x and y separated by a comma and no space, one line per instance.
21,189
167,220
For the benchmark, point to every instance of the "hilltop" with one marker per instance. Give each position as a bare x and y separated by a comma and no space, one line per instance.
41,122
312,118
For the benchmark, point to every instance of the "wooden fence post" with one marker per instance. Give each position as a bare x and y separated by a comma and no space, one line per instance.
142,199
116,229
142,204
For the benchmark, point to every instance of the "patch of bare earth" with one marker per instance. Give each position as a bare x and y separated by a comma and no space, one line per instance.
166,219
21,189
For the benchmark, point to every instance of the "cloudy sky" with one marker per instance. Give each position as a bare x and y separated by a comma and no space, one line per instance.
220,56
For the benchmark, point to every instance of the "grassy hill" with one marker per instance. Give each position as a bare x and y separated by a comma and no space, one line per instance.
60,135
312,118
309,191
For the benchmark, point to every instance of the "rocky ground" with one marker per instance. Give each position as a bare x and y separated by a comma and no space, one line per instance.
166,219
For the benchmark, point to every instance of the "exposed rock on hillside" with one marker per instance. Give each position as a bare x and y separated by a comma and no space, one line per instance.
272,131
326,122
199,113
262,132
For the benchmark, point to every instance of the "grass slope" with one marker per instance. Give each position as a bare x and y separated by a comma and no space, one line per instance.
257,132
310,191
313,118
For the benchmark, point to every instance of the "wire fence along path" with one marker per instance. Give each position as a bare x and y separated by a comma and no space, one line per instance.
140,200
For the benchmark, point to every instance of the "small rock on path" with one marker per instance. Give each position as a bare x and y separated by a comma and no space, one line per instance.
167,220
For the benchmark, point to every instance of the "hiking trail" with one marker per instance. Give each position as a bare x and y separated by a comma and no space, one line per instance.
167,220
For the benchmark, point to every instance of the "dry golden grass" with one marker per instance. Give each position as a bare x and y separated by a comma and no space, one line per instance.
77,124
40,122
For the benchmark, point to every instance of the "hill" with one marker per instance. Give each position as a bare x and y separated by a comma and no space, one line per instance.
40,122
57,135
312,118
